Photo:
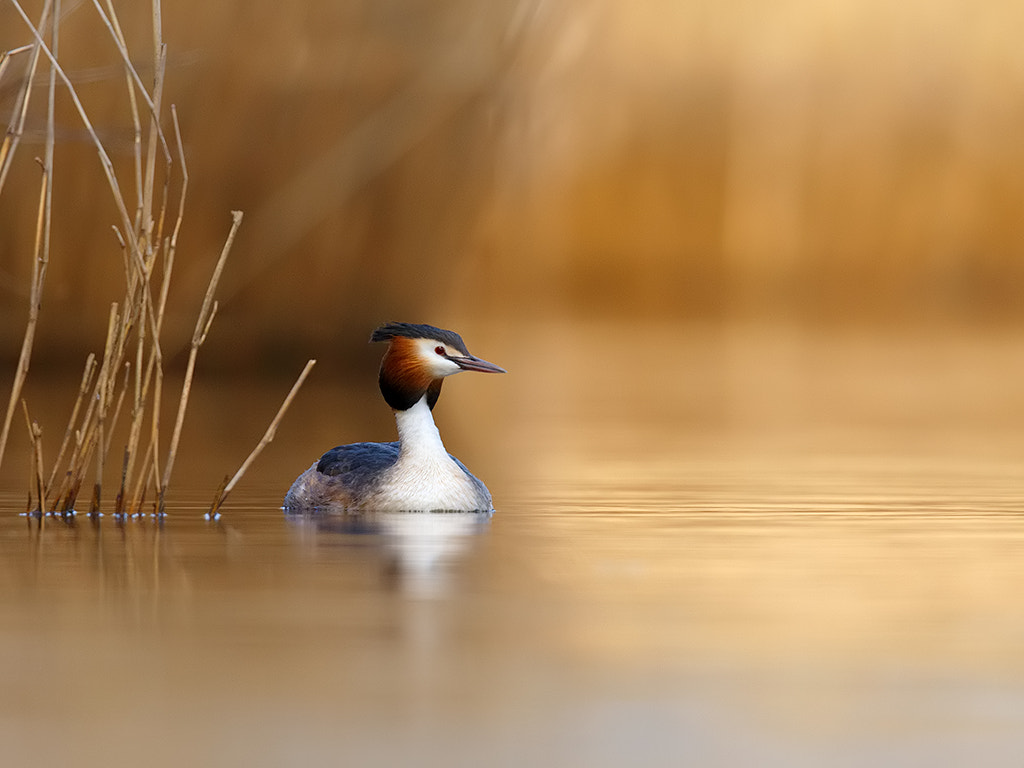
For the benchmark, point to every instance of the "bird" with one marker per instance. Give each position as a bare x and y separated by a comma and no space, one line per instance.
414,473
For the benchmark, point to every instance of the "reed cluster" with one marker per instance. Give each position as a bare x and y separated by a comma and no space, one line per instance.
126,381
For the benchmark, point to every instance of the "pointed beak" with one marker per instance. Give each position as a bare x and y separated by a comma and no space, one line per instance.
471,363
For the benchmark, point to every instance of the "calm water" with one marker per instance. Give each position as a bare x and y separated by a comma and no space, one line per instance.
796,552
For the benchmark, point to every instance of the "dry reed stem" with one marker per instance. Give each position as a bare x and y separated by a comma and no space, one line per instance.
117,409
138,318
40,257
155,360
144,217
113,27
104,385
90,368
268,436
139,253
206,315
13,135
13,138
133,108
151,322
170,247
105,162
154,431
154,366
147,186
138,315
6,56
25,356
84,435
181,203
141,389
119,499
138,491
35,434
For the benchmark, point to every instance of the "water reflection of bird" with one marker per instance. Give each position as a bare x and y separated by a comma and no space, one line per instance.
416,472
420,553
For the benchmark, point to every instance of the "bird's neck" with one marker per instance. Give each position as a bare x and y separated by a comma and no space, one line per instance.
417,432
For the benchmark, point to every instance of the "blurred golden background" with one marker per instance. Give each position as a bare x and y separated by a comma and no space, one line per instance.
433,161
755,270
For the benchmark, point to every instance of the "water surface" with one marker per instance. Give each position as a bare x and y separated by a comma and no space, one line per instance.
805,563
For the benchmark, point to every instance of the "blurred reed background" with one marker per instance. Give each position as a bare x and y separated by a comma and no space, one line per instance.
855,162
646,212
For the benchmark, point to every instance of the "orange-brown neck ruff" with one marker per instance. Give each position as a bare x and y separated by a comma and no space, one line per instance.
403,378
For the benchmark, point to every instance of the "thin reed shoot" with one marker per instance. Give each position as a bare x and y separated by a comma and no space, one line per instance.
228,485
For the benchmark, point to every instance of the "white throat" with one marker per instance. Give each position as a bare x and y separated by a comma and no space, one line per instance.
425,477
417,432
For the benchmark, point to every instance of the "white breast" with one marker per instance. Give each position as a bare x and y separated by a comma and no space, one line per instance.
425,477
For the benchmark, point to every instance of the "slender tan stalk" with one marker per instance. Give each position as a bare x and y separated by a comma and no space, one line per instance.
169,250
6,56
135,323
41,251
105,162
143,374
13,135
206,315
170,247
154,365
173,244
84,436
117,409
35,434
143,240
154,433
139,248
43,260
268,436
186,390
25,357
13,138
148,233
152,238
122,49
140,483
154,131
106,381
134,108
153,376
104,385
90,368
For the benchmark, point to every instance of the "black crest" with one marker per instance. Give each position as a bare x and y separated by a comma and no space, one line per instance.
419,331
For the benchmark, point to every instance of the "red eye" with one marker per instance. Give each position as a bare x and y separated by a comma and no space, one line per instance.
439,350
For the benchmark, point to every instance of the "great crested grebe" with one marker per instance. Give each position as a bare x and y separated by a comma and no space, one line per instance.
415,473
